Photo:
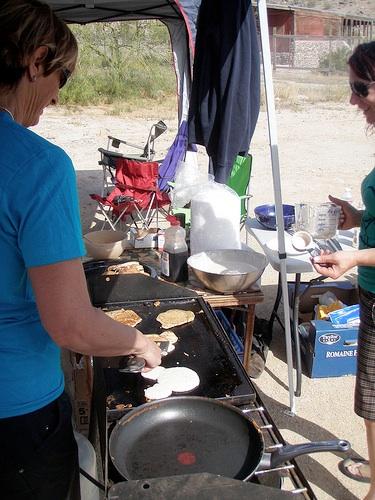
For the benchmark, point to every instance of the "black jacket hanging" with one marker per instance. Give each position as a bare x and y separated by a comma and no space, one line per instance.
225,98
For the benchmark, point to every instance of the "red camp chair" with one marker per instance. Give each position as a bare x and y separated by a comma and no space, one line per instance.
118,148
135,194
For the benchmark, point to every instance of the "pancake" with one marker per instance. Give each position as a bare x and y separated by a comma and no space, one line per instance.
168,335
179,379
155,337
125,316
175,317
125,268
157,391
154,373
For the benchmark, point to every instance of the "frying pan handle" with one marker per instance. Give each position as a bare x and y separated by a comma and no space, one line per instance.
290,451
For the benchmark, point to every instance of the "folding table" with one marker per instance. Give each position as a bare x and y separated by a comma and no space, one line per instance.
297,263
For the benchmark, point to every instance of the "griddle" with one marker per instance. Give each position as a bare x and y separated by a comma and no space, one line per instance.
203,344
116,289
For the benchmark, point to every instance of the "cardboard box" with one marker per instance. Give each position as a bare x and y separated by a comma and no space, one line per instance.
78,384
309,298
328,351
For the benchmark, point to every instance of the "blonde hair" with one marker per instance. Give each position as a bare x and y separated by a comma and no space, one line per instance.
26,25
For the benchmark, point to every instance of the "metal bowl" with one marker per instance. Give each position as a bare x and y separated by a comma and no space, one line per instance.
227,271
266,215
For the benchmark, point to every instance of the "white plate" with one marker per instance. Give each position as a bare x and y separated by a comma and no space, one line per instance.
290,250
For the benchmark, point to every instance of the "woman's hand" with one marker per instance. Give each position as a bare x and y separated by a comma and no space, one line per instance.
150,353
349,217
334,265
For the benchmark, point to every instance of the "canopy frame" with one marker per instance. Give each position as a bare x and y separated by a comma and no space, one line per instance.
177,14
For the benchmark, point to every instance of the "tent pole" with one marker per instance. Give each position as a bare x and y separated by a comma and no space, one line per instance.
272,131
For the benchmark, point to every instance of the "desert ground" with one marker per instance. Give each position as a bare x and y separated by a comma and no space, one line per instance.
323,148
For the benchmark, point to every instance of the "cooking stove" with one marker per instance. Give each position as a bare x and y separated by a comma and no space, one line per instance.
203,346
287,477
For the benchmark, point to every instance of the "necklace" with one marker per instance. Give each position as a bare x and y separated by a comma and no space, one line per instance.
7,111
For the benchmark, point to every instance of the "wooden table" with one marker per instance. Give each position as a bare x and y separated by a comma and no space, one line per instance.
247,299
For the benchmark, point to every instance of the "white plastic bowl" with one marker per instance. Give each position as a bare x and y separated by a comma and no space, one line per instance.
107,244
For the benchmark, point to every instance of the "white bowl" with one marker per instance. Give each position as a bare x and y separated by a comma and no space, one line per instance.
107,244
273,245
228,271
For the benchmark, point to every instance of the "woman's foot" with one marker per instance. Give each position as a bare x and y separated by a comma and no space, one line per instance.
356,468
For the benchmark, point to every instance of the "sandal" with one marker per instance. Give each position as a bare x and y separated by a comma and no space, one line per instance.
356,468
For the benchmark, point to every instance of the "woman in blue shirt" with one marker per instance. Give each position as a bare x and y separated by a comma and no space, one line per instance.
44,302
362,84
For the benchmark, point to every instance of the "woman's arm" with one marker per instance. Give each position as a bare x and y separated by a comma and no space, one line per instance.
336,264
73,323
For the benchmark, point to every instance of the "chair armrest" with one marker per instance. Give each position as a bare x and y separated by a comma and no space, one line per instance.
114,154
116,143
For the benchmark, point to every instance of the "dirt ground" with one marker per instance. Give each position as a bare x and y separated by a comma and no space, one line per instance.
323,149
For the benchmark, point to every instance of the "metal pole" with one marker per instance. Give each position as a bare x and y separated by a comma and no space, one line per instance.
272,131
274,47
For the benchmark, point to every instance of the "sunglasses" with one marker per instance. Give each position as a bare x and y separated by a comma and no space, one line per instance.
360,89
64,75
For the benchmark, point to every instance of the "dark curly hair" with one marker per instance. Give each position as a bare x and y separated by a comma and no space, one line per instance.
26,25
362,61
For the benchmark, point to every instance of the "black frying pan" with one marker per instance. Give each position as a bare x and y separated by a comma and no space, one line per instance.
186,435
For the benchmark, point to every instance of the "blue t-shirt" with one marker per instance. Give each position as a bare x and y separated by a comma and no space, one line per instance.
39,225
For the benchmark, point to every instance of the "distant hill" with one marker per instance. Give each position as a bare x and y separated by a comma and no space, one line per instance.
364,8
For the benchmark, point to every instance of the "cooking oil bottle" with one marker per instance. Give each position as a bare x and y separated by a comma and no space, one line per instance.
175,252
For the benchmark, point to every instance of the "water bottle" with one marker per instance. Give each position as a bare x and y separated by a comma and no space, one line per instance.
175,252
348,195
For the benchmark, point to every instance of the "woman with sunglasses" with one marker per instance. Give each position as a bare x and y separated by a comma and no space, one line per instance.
44,302
362,84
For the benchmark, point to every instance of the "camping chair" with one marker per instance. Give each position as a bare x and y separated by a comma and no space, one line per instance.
112,153
156,178
135,194
239,181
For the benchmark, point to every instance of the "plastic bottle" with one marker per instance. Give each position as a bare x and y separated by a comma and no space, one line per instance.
175,252
161,239
348,195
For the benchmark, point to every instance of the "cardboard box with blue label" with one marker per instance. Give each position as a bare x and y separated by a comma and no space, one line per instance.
328,351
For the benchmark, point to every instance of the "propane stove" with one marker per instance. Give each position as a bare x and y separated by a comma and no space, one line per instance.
286,479
203,346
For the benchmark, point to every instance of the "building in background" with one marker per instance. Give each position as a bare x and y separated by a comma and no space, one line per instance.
300,37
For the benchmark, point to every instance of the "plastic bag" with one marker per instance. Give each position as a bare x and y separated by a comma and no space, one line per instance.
189,179
215,218
322,312
328,298
348,317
